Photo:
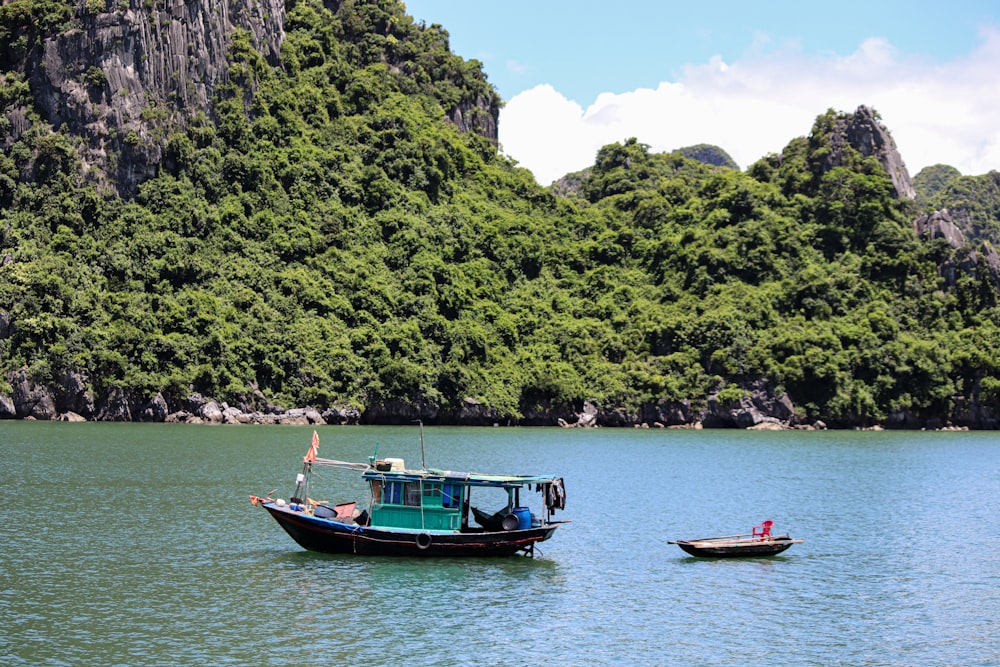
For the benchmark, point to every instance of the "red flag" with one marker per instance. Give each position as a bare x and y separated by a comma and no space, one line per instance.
313,449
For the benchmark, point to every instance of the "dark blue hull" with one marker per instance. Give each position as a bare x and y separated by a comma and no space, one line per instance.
339,537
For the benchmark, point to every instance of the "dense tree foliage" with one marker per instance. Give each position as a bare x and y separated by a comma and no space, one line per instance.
974,201
930,181
329,238
709,154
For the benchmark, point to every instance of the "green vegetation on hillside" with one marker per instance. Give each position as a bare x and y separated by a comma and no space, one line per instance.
974,201
330,239
930,181
709,154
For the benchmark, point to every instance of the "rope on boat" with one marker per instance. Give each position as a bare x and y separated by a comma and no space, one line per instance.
346,465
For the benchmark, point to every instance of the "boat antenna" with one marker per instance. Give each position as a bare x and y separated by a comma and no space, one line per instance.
423,452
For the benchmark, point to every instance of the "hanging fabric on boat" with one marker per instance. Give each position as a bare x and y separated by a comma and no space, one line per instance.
313,449
555,494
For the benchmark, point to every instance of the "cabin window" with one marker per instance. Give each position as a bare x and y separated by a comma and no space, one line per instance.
394,493
451,495
442,495
412,497
413,494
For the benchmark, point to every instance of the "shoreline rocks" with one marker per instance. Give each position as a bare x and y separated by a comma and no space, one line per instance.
756,405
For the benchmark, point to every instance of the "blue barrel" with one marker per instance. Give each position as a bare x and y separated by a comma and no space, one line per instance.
523,515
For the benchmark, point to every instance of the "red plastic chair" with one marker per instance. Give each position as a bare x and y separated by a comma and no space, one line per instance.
763,531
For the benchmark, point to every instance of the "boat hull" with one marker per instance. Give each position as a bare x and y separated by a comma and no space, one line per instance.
338,537
735,548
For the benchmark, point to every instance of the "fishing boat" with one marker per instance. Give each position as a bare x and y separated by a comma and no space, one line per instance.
758,543
425,512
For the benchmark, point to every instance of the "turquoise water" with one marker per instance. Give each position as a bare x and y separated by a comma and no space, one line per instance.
135,544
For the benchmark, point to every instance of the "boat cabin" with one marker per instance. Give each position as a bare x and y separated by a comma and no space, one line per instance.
437,500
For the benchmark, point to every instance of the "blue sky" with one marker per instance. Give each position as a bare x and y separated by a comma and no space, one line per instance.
749,77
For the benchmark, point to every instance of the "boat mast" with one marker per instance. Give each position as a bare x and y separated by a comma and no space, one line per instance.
302,484
423,452
302,479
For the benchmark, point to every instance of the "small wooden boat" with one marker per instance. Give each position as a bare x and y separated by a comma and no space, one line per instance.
418,512
757,544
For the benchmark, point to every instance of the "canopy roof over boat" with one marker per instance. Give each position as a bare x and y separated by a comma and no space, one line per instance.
468,478
432,475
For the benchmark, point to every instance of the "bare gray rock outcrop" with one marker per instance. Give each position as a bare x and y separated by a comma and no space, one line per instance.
7,409
400,412
667,413
939,225
341,415
156,410
587,417
966,258
479,117
866,134
474,413
758,404
991,258
115,408
73,394
29,398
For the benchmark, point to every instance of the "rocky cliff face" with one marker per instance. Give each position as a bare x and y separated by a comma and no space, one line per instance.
479,117
966,258
127,74
865,133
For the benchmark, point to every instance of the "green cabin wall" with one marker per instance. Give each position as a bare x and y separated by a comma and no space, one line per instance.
421,506
399,516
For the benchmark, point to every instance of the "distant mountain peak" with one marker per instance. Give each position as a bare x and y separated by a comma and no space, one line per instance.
710,155
864,131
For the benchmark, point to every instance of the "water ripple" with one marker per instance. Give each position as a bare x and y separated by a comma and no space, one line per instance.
115,559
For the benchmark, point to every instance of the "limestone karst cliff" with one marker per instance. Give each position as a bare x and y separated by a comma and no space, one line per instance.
122,76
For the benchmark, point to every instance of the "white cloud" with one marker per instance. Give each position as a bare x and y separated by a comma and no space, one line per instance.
936,112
